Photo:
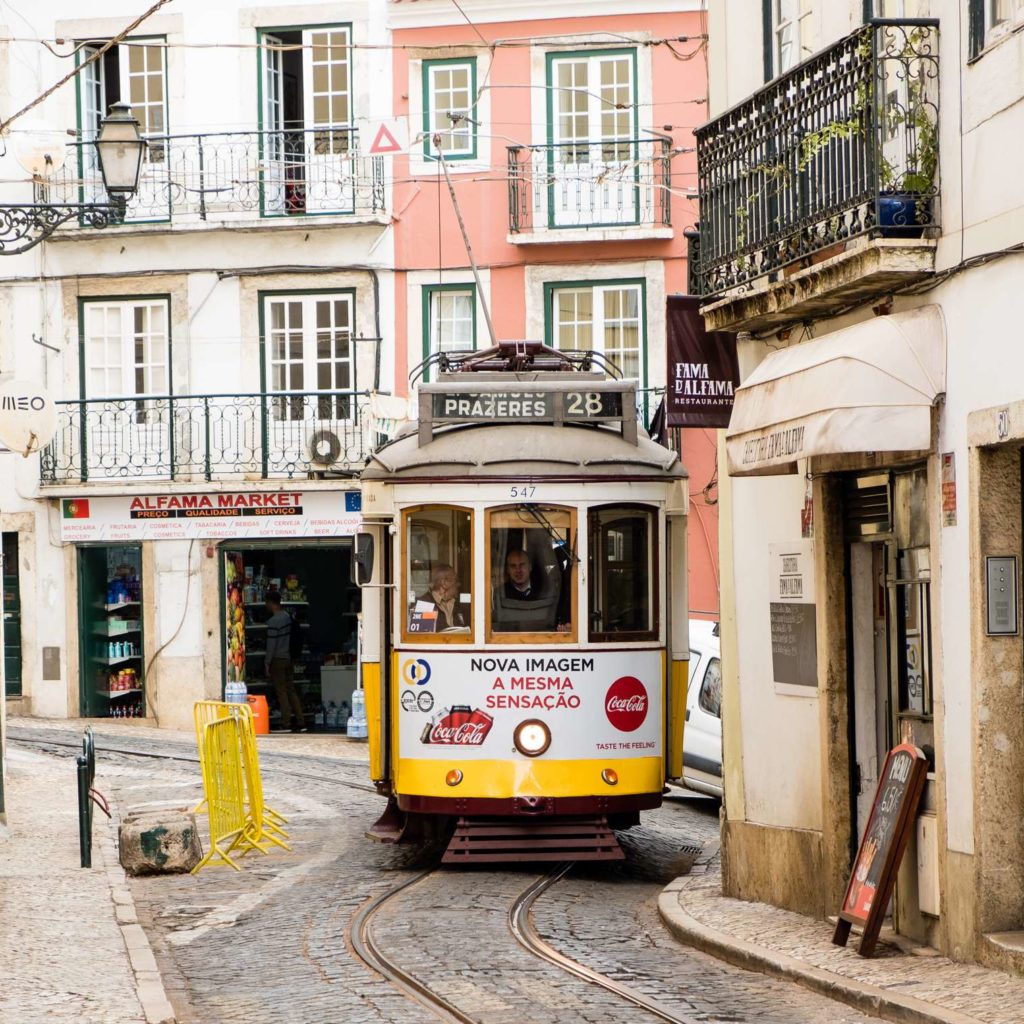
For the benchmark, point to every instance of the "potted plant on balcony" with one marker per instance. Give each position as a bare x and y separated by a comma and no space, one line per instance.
908,185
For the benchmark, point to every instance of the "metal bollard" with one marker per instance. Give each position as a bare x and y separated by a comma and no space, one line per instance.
84,812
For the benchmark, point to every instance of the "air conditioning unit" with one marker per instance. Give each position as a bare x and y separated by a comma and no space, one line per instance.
324,447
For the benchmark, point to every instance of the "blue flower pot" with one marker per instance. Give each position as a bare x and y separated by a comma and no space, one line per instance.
903,216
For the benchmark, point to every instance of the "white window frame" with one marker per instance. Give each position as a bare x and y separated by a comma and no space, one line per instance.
94,78
463,132
310,360
598,289
123,344
795,21
1001,16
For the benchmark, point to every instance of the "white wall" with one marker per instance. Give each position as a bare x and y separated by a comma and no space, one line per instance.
780,733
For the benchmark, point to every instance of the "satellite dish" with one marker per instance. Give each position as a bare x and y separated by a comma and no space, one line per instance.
28,417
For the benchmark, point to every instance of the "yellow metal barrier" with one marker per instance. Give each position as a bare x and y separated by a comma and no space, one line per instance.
204,712
262,824
224,789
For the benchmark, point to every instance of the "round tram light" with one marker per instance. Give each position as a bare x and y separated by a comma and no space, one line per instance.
611,776
454,777
532,737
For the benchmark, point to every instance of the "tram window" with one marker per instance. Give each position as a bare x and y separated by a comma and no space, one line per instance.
531,568
623,574
438,573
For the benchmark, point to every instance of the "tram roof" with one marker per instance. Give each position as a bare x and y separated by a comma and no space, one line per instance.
504,449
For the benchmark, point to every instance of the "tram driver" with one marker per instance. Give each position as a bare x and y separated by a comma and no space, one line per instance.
521,604
444,601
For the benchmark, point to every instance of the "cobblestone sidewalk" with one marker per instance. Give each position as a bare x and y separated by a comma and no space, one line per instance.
897,985
70,946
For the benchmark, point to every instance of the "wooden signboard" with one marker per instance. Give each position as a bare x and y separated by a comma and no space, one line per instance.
874,871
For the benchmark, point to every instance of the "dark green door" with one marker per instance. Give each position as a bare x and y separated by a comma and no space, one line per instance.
12,616
92,588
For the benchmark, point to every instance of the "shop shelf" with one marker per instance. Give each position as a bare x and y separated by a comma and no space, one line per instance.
118,628
123,604
118,693
117,661
254,653
260,604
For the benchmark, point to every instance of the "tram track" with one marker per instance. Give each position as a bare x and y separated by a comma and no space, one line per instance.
367,949
39,742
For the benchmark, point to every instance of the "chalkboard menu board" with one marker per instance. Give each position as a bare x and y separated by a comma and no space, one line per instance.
881,849
794,644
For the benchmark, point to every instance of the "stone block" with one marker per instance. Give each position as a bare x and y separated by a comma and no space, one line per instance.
164,843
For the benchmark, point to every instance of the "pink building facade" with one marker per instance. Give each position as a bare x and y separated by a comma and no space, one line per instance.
567,138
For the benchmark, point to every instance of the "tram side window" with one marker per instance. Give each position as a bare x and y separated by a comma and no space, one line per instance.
623,574
439,572
532,555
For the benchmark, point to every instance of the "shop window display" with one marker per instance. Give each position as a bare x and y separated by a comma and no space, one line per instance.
315,593
111,636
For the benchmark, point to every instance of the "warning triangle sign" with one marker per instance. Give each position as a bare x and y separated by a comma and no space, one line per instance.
384,142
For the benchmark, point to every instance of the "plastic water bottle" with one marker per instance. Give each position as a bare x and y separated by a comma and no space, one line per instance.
331,716
357,729
235,693
318,717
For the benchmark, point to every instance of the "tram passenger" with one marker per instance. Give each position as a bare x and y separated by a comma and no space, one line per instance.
509,615
444,596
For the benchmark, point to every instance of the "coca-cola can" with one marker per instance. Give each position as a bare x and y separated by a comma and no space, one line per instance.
428,729
459,714
479,717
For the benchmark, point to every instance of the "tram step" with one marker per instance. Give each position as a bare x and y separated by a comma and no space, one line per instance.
493,840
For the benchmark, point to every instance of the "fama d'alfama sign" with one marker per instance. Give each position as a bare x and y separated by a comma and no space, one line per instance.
703,371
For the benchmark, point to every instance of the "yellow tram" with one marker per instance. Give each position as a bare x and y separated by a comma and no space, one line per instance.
524,625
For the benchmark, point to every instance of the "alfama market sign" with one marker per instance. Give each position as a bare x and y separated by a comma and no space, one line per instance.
222,515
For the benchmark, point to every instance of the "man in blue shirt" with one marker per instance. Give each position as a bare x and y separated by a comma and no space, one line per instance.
279,663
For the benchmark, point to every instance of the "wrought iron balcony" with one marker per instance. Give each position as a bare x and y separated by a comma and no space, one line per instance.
235,176
209,437
842,146
605,183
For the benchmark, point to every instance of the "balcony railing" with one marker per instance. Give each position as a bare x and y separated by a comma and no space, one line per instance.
209,437
590,184
235,175
845,144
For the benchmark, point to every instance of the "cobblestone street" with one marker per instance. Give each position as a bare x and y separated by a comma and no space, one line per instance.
272,941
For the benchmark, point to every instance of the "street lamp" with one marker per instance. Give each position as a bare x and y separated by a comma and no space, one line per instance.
119,149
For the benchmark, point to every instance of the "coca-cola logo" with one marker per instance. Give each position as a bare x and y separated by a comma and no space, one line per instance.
626,704
459,726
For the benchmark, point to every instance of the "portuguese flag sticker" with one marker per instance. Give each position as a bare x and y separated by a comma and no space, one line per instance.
76,508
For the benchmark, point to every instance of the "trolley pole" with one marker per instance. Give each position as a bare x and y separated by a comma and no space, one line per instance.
465,238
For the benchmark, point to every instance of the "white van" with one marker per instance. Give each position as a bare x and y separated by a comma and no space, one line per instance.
702,734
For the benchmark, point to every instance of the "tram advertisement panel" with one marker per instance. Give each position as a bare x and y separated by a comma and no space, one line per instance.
468,704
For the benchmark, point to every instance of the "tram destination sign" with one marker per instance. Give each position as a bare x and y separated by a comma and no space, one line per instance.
519,406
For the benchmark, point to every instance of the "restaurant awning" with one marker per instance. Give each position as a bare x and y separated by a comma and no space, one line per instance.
866,388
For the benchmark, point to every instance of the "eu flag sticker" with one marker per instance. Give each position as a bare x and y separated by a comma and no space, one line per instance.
353,501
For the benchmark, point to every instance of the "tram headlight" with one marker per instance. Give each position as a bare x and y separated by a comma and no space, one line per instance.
454,777
532,737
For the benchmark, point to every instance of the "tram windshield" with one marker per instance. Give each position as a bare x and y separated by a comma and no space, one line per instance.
531,570
623,577
439,572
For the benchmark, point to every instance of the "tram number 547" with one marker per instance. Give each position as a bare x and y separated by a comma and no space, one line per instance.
523,491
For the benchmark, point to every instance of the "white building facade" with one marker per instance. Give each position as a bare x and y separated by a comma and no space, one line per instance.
213,357
861,228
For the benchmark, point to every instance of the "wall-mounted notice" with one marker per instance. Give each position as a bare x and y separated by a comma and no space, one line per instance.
794,637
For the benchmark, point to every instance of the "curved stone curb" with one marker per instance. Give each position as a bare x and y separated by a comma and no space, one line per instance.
860,995
148,984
